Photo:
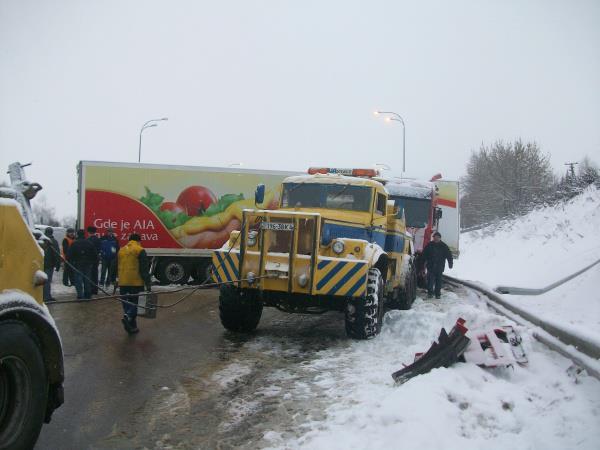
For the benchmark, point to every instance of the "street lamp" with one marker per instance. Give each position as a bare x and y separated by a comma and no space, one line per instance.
397,118
149,124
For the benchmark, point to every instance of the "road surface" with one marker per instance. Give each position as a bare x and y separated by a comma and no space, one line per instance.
176,384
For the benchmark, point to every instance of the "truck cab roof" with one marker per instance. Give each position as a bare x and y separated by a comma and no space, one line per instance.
329,178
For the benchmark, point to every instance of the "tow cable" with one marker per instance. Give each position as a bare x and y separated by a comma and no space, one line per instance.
153,304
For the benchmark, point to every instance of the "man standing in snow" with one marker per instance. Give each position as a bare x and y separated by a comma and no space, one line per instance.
95,240
82,254
51,261
108,255
435,255
134,274
68,278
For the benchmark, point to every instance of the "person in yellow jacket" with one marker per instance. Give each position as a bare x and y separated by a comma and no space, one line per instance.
133,276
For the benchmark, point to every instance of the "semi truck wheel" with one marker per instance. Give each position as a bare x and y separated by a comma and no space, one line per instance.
202,272
173,271
239,310
364,315
23,386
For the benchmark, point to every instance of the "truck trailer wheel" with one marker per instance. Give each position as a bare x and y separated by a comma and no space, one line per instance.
364,315
202,272
23,386
239,310
172,271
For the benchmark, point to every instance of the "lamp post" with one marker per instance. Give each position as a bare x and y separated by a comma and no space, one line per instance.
149,124
397,118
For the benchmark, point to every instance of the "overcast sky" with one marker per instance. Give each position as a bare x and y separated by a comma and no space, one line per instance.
285,85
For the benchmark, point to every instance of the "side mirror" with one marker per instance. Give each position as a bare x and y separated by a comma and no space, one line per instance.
438,213
259,195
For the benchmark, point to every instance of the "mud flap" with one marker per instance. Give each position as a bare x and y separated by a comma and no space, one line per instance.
443,353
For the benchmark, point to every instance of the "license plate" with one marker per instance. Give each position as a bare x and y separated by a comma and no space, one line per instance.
274,226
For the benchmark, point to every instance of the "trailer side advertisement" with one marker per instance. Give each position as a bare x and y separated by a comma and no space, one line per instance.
170,207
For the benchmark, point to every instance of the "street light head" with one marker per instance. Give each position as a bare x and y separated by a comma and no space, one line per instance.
165,118
152,125
375,113
388,119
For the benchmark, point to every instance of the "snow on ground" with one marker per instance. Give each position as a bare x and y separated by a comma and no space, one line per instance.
538,249
351,401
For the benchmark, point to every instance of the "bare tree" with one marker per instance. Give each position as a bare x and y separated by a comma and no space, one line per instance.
503,180
68,221
43,213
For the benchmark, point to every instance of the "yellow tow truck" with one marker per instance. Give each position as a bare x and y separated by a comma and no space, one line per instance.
31,357
336,243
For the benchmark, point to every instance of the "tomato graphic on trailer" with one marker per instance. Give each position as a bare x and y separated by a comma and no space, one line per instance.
196,199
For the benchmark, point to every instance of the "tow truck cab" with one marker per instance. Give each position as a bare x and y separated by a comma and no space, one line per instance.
317,251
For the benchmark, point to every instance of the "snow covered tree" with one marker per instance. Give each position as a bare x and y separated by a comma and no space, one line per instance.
587,173
43,213
505,179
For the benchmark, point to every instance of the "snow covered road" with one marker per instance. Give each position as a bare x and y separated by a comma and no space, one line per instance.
340,394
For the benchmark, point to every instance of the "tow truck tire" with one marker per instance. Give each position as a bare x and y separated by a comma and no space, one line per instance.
405,296
364,315
172,271
23,386
239,310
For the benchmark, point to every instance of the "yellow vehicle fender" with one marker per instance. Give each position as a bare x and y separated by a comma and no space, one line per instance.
372,253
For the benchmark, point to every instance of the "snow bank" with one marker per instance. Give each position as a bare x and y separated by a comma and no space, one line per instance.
535,250
536,406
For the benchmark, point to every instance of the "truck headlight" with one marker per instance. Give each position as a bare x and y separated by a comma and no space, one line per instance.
252,238
302,280
338,247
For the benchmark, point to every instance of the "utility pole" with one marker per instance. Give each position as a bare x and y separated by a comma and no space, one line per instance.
571,170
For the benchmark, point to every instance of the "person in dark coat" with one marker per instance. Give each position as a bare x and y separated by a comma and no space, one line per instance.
82,255
108,257
68,279
51,261
95,239
435,255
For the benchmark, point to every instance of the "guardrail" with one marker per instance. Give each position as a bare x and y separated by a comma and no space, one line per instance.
586,354
591,349
528,291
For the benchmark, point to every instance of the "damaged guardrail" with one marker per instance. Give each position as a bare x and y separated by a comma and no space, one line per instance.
528,291
591,349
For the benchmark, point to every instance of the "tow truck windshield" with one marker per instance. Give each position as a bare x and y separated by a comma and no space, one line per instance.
416,210
330,196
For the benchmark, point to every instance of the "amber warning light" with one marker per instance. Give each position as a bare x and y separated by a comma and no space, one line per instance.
348,172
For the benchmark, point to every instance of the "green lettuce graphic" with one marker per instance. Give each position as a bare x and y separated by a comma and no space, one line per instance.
174,219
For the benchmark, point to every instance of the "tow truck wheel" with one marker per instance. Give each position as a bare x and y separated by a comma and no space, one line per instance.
364,315
405,296
239,310
23,387
414,278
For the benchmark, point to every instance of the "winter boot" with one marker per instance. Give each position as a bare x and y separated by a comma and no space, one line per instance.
127,324
133,324
430,295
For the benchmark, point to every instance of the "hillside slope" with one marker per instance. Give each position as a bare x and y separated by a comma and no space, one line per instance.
538,249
